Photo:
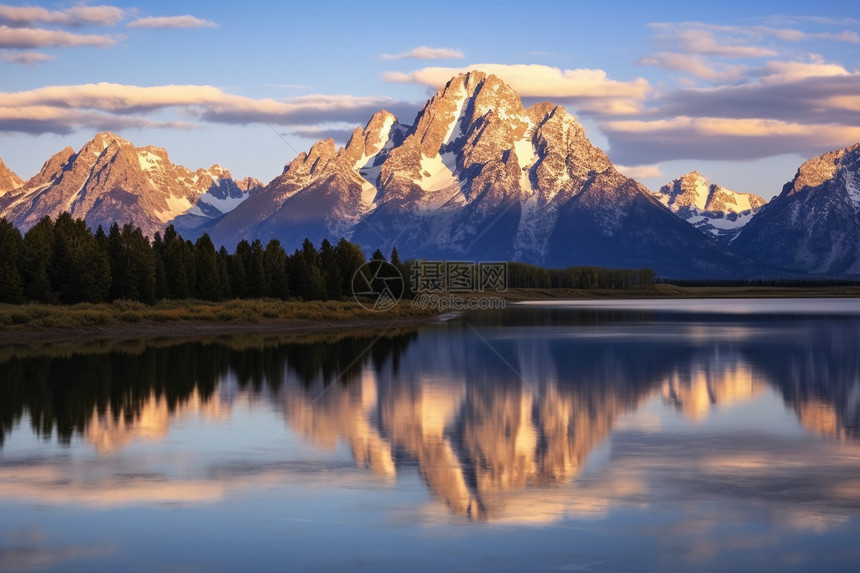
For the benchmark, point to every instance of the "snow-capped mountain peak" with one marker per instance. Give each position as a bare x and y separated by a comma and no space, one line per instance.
110,180
476,176
711,208
813,225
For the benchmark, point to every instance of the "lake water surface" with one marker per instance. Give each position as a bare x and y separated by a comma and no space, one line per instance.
706,435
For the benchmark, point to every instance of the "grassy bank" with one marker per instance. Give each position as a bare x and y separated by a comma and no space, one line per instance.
31,323
177,311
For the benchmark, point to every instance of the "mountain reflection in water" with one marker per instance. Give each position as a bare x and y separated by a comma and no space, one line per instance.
495,412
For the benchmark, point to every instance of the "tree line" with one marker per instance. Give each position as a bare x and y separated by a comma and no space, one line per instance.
521,275
64,261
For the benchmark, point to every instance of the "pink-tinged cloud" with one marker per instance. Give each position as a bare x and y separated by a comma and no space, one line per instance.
75,16
104,15
710,138
695,65
706,44
640,171
27,58
781,72
46,119
40,38
426,53
59,109
168,22
591,90
320,132
788,93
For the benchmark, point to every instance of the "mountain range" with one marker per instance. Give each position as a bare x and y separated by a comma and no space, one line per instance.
109,179
476,176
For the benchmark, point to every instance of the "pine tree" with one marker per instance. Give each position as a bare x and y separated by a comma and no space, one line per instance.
178,265
224,272
142,265
239,263
275,260
80,271
331,272
349,257
258,286
120,286
36,259
11,248
306,278
206,269
162,285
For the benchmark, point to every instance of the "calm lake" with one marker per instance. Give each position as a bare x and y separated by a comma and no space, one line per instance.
707,435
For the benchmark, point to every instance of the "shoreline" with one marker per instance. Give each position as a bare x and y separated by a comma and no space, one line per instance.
329,318
196,330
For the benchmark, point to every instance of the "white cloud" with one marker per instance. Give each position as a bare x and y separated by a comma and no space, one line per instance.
790,71
699,38
104,15
26,58
693,64
532,80
711,138
591,90
75,16
705,43
426,53
640,171
39,38
185,21
60,109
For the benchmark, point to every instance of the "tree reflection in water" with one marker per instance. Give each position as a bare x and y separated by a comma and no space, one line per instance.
476,427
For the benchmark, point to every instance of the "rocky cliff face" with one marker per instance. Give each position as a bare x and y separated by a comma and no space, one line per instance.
476,177
813,226
711,208
8,179
109,179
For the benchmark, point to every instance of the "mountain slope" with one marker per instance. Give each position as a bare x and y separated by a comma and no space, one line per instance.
477,177
321,193
8,179
711,208
813,226
109,179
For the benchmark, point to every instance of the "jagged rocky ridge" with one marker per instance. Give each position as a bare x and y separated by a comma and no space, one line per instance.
477,177
813,225
8,179
711,208
109,179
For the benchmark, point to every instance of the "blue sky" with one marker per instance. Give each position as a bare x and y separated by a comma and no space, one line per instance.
741,91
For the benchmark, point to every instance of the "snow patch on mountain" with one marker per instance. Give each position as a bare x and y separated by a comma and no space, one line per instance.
435,173
148,160
852,188
175,206
384,139
527,156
